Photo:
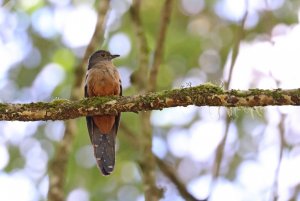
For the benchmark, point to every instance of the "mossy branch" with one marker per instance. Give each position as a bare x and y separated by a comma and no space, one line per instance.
203,95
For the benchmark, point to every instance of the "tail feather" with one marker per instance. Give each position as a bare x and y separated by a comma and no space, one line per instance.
104,150
103,144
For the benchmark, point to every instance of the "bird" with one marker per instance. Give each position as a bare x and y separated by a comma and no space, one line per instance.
103,79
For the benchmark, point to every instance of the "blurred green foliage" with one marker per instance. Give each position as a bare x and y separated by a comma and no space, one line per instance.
187,38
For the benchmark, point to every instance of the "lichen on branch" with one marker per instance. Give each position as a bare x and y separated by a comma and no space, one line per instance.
203,95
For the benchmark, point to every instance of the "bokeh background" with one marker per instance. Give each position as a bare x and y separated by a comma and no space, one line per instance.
42,41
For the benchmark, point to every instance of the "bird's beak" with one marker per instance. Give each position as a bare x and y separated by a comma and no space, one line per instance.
114,56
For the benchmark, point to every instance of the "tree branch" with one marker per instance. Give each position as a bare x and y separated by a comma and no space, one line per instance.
282,144
236,48
138,76
57,167
239,34
96,39
158,53
171,174
203,95
153,193
147,163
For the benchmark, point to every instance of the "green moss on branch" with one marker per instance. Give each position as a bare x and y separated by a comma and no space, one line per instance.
203,95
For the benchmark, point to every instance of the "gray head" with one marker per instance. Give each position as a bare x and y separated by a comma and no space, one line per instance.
100,55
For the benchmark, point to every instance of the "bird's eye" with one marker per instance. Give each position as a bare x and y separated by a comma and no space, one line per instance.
102,55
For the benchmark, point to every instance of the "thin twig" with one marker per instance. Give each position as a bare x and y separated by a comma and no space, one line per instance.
236,48
138,78
169,172
281,147
152,193
96,39
57,167
140,74
158,53
148,164
220,148
295,192
219,155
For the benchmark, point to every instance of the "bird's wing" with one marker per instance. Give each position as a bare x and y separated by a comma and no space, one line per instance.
89,121
117,120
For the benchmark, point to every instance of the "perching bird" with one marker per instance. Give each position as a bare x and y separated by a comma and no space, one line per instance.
103,79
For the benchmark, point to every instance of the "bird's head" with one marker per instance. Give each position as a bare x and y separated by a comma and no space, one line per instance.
101,55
